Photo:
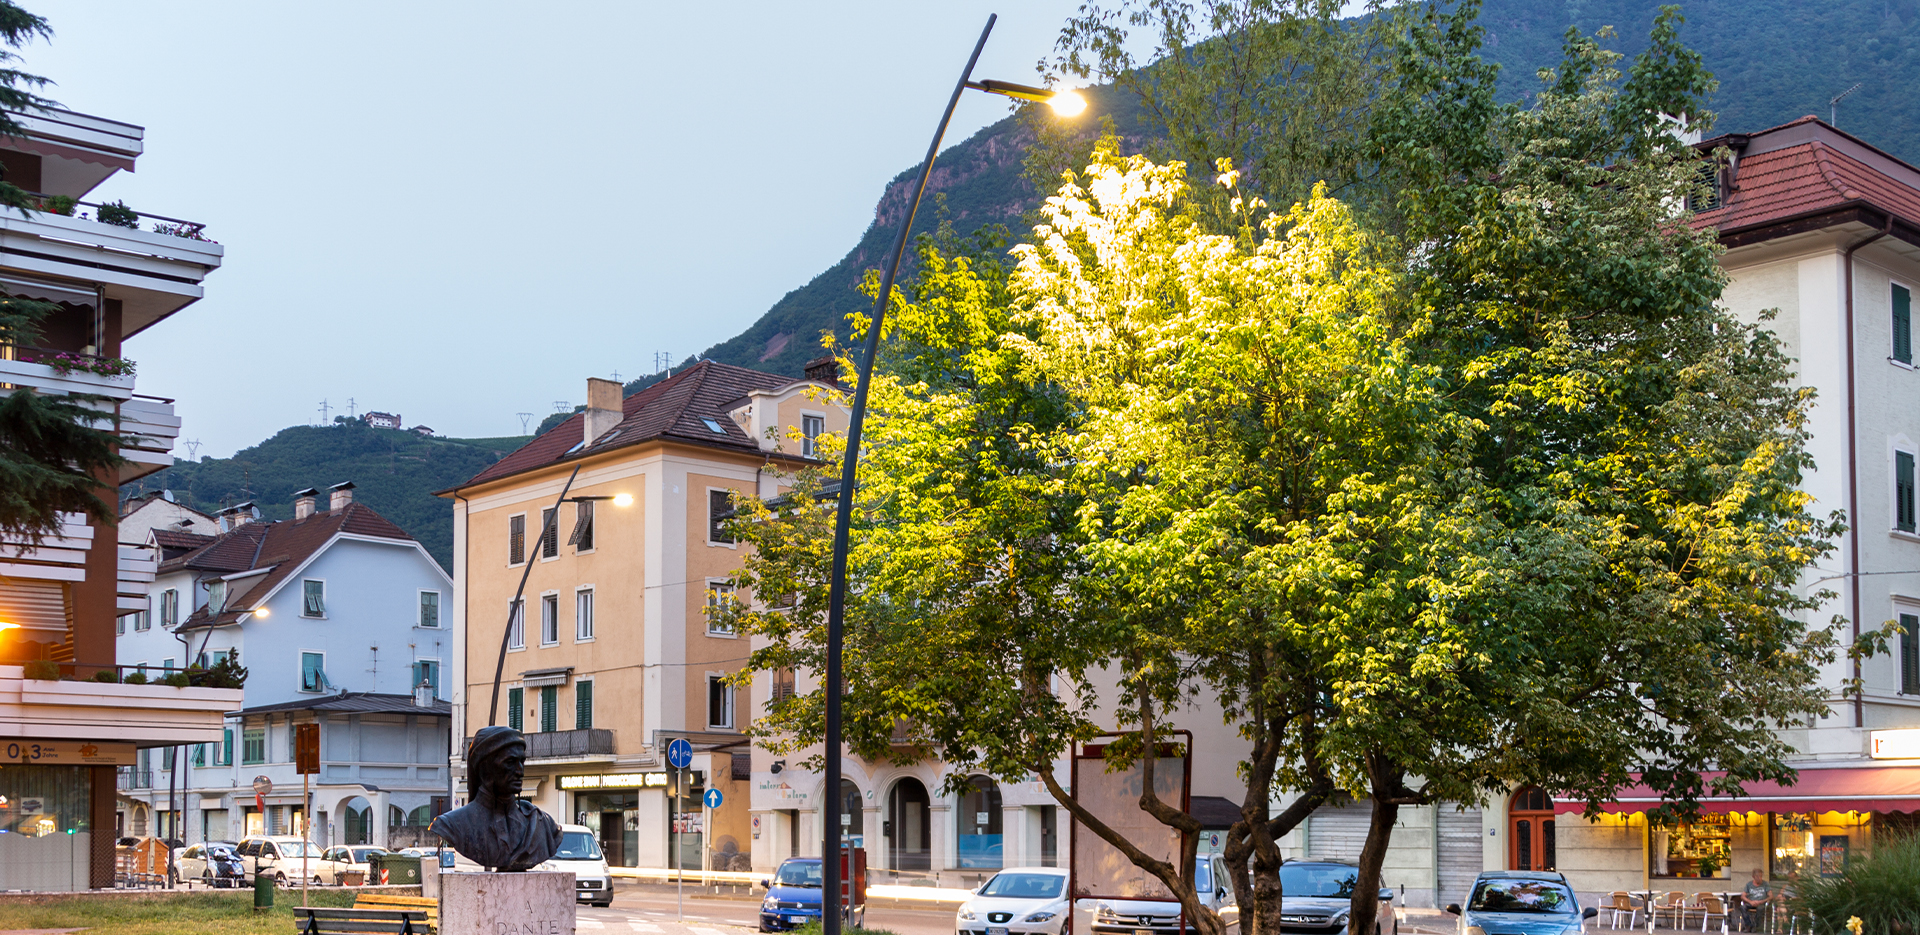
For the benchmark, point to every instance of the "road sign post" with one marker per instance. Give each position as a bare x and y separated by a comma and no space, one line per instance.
711,800
306,762
679,756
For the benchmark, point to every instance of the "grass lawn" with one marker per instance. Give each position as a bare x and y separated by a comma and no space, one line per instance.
229,913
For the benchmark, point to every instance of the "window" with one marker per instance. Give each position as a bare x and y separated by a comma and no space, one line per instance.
582,538
430,609
517,626
549,708
719,504
120,624
810,429
169,608
516,707
549,534
216,596
313,672
719,604
583,615
313,598
223,755
516,539
1902,324
1903,491
1530,830
200,754
549,619
253,746
583,705
166,667
428,671
1910,654
1701,850
719,702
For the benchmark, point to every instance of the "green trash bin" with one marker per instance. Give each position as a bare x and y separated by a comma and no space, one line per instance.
401,869
262,892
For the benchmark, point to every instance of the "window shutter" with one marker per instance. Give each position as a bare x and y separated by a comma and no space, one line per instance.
549,534
516,539
549,708
1902,325
516,705
719,503
1903,491
582,705
1909,654
582,538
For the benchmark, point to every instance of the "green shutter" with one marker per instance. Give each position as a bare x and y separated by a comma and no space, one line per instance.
1909,654
582,705
516,702
549,708
1902,325
1903,491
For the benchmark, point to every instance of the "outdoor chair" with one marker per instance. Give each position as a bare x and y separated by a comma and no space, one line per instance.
1710,909
1620,904
1673,907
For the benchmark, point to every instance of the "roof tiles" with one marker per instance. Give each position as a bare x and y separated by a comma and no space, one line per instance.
281,547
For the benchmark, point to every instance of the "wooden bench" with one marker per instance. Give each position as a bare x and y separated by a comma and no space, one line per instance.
314,920
426,904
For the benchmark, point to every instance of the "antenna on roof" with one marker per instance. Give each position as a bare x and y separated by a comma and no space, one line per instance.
1833,106
524,417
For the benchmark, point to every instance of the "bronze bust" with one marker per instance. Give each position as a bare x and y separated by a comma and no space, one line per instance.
496,828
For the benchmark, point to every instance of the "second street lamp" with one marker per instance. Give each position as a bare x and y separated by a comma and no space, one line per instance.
1065,104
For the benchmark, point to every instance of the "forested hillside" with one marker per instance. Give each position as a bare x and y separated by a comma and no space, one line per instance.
394,472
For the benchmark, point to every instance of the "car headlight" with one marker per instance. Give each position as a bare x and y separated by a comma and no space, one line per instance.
1104,911
769,904
1040,917
966,913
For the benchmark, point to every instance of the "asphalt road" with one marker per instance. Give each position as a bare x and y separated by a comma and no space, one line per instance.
651,909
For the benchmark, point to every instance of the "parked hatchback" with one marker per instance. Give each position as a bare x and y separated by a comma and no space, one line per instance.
1316,898
1027,900
1519,902
1162,917
213,863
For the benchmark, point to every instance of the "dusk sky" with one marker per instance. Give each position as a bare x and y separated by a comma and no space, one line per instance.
460,211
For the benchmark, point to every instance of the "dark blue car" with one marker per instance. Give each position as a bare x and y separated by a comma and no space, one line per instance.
793,896
1518,902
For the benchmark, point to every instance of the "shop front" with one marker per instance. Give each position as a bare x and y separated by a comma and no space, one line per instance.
625,811
55,798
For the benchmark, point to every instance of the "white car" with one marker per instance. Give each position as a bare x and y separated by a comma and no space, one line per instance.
337,860
282,857
1027,899
1162,917
580,853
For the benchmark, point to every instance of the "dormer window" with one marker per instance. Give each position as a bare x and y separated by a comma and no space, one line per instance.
715,427
810,429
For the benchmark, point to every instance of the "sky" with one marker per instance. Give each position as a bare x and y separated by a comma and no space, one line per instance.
459,211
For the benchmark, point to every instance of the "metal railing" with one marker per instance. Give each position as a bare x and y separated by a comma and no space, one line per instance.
66,206
558,743
132,777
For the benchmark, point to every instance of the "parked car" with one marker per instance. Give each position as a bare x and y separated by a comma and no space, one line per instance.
335,861
213,863
1027,899
1520,902
1162,917
794,897
279,856
1316,898
580,853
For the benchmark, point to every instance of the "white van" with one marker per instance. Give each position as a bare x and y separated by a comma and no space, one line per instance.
580,852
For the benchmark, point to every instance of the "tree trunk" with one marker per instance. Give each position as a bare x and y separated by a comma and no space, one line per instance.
1366,889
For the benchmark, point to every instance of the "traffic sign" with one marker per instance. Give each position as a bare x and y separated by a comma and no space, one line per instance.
680,753
713,798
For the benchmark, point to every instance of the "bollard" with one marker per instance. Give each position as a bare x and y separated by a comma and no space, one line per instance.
262,892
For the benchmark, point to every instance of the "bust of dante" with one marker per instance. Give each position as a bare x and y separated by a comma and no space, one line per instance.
496,828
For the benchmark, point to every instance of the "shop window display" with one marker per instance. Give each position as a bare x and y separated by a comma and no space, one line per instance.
1806,843
1699,850
43,826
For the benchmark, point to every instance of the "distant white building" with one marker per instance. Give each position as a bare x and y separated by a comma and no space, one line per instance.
382,420
159,510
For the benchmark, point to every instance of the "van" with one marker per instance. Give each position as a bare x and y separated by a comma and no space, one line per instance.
580,853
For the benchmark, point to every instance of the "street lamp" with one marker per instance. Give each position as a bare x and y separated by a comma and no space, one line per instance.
1065,104
513,607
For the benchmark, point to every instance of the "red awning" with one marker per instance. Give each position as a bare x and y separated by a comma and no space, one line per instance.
1870,789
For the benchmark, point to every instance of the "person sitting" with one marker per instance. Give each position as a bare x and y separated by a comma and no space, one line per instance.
1753,900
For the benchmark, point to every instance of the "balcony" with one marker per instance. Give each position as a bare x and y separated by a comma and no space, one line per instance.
147,421
149,715
129,778
567,744
153,273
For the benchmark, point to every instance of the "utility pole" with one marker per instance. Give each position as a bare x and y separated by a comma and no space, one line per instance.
662,360
524,418
325,411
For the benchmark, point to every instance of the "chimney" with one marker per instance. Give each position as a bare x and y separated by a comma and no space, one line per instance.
342,495
603,408
303,503
825,370
237,515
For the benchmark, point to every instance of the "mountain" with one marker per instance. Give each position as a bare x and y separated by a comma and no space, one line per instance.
394,472
1776,60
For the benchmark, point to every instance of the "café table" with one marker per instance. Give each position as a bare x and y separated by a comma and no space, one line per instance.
1646,902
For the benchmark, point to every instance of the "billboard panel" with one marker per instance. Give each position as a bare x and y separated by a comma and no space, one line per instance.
1099,869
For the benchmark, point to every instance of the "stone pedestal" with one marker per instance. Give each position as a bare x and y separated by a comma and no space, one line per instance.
532,903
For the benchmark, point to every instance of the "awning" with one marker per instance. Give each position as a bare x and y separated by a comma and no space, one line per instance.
1870,789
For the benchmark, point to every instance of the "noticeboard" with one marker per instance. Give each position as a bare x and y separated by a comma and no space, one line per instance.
1100,870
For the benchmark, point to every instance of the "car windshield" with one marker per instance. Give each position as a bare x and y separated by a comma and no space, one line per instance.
1521,896
794,873
577,845
297,849
1024,885
1330,881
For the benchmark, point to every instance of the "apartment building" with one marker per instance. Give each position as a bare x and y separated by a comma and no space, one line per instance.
66,721
339,618
609,654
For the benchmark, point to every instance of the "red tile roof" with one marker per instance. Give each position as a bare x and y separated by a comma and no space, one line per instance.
1805,169
674,408
281,546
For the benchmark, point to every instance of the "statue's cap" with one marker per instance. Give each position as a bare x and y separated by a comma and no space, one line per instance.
492,742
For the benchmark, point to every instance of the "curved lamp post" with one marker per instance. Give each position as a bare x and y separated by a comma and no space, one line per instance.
1066,104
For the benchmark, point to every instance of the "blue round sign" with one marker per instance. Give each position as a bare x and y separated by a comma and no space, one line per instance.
713,798
679,753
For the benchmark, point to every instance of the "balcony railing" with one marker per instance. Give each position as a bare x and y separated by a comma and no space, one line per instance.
132,777
564,743
119,215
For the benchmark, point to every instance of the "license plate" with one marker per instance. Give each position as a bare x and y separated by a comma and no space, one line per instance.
798,920
1000,930
1143,932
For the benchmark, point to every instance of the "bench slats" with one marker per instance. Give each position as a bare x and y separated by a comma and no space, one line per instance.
315,920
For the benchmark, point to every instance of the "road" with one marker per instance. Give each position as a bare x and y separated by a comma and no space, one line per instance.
651,910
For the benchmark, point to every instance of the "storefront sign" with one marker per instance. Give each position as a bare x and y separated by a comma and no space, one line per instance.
614,781
1894,744
66,752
